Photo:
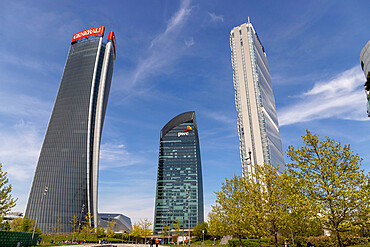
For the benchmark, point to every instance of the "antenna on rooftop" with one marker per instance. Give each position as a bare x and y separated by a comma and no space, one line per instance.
249,20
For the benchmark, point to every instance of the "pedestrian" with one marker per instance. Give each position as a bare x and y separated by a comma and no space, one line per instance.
39,240
286,243
309,244
156,242
299,244
151,242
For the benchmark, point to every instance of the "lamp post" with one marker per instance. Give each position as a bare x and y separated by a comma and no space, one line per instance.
169,225
189,214
42,197
183,229
203,238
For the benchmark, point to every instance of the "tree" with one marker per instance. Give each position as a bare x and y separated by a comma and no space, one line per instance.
165,231
6,200
6,226
267,199
145,225
87,229
228,211
23,225
216,225
56,228
15,223
299,220
199,228
254,203
177,229
110,226
74,223
330,179
135,231
99,231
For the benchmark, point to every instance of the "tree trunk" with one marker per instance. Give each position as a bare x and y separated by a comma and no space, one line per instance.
339,240
240,240
259,240
276,240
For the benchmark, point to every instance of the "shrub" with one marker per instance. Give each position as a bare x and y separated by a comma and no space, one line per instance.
246,242
322,241
279,238
301,239
353,240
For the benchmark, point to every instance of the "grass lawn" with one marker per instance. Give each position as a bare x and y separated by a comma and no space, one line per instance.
46,239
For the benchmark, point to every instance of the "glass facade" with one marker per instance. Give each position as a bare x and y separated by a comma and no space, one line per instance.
179,195
258,125
65,181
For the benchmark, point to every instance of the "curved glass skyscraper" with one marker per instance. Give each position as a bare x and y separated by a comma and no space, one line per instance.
66,178
258,126
179,195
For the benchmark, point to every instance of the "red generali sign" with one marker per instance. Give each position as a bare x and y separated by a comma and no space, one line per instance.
88,32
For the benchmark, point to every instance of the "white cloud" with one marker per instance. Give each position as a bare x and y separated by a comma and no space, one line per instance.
189,42
342,97
163,50
25,62
221,117
24,121
19,149
216,18
24,106
177,20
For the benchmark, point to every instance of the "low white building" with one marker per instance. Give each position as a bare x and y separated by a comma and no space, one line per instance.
122,222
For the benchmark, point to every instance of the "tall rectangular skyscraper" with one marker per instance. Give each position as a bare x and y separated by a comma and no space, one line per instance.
65,184
258,127
179,195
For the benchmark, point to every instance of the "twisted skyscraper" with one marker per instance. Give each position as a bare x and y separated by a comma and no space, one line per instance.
258,126
65,184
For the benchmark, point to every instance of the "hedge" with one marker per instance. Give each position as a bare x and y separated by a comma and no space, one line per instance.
10,239
248,242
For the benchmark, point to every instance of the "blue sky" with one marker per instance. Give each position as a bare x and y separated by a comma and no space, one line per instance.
172,57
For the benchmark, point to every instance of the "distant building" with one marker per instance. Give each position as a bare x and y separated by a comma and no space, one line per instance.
13,215
365,65
122,222
258,127
179,179
65,184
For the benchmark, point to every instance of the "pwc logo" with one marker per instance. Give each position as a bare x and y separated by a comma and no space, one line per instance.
185,133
